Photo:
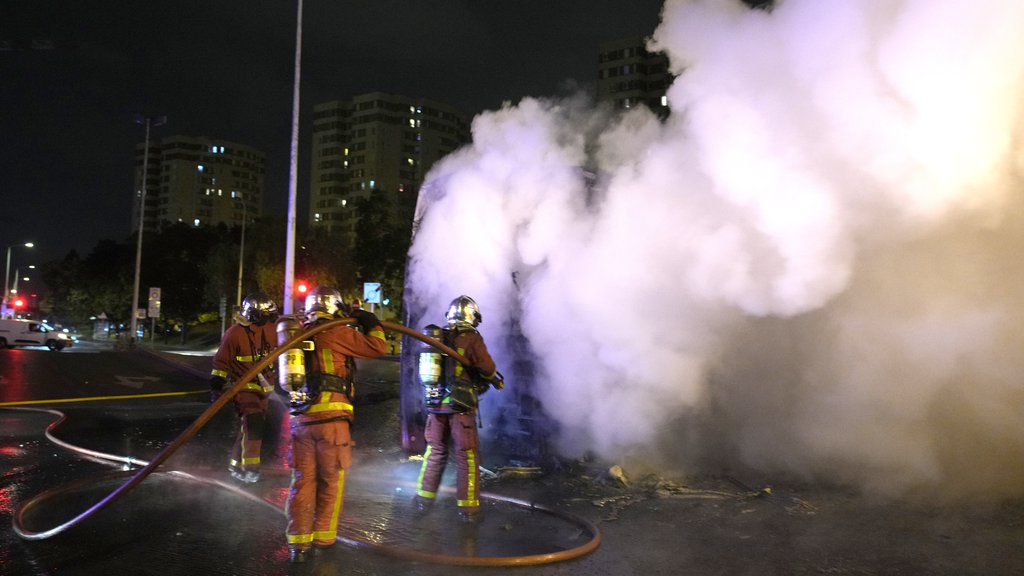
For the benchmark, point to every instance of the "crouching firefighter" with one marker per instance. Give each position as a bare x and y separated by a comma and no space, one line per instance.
321,409
451,392
244,344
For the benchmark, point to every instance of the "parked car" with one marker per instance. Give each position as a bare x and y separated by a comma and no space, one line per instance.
18,332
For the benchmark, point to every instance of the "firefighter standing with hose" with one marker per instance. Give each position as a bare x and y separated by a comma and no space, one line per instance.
321,409
246,342
451,392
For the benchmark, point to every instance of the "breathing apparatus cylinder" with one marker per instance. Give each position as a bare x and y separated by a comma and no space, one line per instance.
291,365
431,367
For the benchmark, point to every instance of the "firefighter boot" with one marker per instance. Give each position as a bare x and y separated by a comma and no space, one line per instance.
297,555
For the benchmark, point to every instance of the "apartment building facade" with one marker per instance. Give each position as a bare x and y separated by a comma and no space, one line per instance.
199,181
376,145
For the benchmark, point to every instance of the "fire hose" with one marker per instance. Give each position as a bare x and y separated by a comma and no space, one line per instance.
409,554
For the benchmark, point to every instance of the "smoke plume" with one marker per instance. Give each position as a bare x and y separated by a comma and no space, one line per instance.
811,267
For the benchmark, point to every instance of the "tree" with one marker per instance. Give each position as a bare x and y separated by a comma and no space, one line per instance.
383,236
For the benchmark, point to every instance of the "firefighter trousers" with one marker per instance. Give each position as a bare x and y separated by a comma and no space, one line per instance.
320,454
252,409
460,430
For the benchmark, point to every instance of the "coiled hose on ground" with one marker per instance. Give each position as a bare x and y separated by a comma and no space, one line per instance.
151,466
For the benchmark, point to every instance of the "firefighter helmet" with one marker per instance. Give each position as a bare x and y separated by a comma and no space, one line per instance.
325,299
259,308
464,310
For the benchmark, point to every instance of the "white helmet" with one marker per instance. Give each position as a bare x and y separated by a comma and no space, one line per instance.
323,299
464,310
258,308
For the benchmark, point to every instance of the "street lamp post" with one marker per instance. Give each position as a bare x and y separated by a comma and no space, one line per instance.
7,272
289,257
241,257
149,122
17,275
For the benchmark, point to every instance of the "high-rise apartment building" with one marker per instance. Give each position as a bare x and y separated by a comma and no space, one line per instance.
373,145
628,75
199,181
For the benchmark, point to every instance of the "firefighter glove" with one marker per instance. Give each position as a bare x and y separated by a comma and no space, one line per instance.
216,387
367,320
498,381
217,383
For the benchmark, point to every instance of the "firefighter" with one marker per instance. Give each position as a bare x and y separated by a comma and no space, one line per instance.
250,339
321,445
451,410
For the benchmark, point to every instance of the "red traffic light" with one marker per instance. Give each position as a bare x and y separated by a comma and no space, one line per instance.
301,288
18,303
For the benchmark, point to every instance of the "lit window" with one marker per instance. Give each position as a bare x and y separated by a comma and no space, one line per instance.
346,151
196,222
664,100
201,168
410,161
317,217
221,149
412,123
412,109
234,194
419,110
373,184
344,202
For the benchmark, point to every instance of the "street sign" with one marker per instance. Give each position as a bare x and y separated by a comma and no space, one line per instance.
371,292
154,302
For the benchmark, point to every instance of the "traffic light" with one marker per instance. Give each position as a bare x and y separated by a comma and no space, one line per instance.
18,303
301,288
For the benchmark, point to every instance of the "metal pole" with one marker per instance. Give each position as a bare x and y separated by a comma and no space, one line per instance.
138,247
7,277
289,257
241,255
149,121
7,274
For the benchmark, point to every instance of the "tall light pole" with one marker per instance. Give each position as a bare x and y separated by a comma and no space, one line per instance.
241,256
289,256
7,272
17,274
149,121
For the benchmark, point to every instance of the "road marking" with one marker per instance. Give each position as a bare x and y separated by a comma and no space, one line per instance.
100,398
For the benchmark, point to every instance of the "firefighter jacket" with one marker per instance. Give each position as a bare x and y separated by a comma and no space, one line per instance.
243,345
330,367
470,344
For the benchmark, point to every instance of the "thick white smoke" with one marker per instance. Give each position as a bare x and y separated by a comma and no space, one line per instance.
812,267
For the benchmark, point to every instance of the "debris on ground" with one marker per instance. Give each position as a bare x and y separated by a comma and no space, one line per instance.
617,473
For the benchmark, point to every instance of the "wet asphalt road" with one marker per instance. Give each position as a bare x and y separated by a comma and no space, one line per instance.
206,524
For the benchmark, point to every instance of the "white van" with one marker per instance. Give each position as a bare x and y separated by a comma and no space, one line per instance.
17,332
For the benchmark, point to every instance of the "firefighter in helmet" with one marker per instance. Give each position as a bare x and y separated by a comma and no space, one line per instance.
321,445
251,338
451,403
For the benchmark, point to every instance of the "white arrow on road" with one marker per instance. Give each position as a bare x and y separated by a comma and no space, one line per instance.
136,382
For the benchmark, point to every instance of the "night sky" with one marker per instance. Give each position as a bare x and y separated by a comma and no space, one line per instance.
73,75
